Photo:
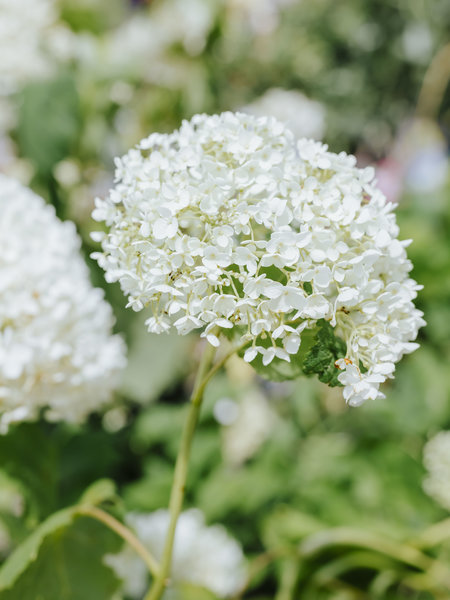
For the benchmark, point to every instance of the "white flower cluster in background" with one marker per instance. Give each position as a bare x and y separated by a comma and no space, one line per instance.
56,347
246,425
23,25
436,459
263,16
304,117
230,222
141,43
204,556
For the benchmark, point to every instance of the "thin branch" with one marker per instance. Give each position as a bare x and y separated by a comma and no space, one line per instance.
100,515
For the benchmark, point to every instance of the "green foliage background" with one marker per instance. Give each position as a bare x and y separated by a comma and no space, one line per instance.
352,476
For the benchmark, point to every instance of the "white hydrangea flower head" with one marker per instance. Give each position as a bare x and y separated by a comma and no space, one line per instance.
304,117
56,348
206,556
436,459
23,27
230,223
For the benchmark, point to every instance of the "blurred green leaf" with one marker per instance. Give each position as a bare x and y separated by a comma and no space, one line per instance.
155,362
317,355
49,121
36,470
61,560
99,491
188,591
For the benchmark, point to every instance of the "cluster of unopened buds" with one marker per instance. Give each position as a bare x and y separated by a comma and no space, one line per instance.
232,225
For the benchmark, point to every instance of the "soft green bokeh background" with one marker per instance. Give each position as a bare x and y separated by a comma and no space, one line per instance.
302,462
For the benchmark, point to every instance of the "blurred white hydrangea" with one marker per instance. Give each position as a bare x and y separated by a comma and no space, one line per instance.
204,556
263,16
417,43
304,117
56,348
23,25
141,43
246,425
436,459
230,223
186,21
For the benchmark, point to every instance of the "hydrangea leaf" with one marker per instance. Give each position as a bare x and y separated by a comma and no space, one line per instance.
321,358
318,352
47,139
149,372
187,591
37,472
60,561
99,491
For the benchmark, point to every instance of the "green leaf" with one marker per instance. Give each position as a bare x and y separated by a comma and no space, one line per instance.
36,471
61,560
155,362
153,489
318,352
321,358
188,591
49,121
100,491
95,16
28,551
156,425
288,525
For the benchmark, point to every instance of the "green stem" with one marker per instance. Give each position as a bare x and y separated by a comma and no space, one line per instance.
346,536
204,374
289,576
100,515
435,534
259,564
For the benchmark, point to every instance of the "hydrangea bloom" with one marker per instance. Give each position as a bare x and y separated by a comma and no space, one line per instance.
304,117
436,459
204,556
256,420
22,28
229,223
263,16
56,347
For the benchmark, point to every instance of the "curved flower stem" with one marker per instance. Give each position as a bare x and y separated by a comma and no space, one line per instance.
434,535
261,562
100,515
407,554
289,576
204,374
434,84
